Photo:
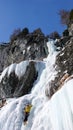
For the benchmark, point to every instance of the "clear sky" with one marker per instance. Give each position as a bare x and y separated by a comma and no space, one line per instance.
32,14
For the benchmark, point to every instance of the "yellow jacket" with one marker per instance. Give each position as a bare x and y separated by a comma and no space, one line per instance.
28,108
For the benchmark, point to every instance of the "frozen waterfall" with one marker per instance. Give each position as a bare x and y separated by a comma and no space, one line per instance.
46,114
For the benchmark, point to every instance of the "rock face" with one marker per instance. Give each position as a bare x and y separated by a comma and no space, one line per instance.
63,65
13,86
70,29
31,46
64,61
4,52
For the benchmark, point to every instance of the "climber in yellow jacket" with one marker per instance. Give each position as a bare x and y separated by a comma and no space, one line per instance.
28,108
27,111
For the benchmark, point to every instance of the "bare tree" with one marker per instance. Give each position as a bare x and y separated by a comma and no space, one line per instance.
15,33
54,35
64,15
71,16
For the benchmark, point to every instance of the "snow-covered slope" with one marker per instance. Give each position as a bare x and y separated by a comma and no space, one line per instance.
46,114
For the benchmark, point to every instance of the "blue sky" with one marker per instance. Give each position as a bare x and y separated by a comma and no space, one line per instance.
32,14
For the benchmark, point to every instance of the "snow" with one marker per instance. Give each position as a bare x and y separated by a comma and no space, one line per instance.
19,69
46,114
63,108
64,62
11,68
3,73
28,48
51,46
23,52
62,54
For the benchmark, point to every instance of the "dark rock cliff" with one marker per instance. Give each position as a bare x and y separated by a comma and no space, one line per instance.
31,46
63,66
64,61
